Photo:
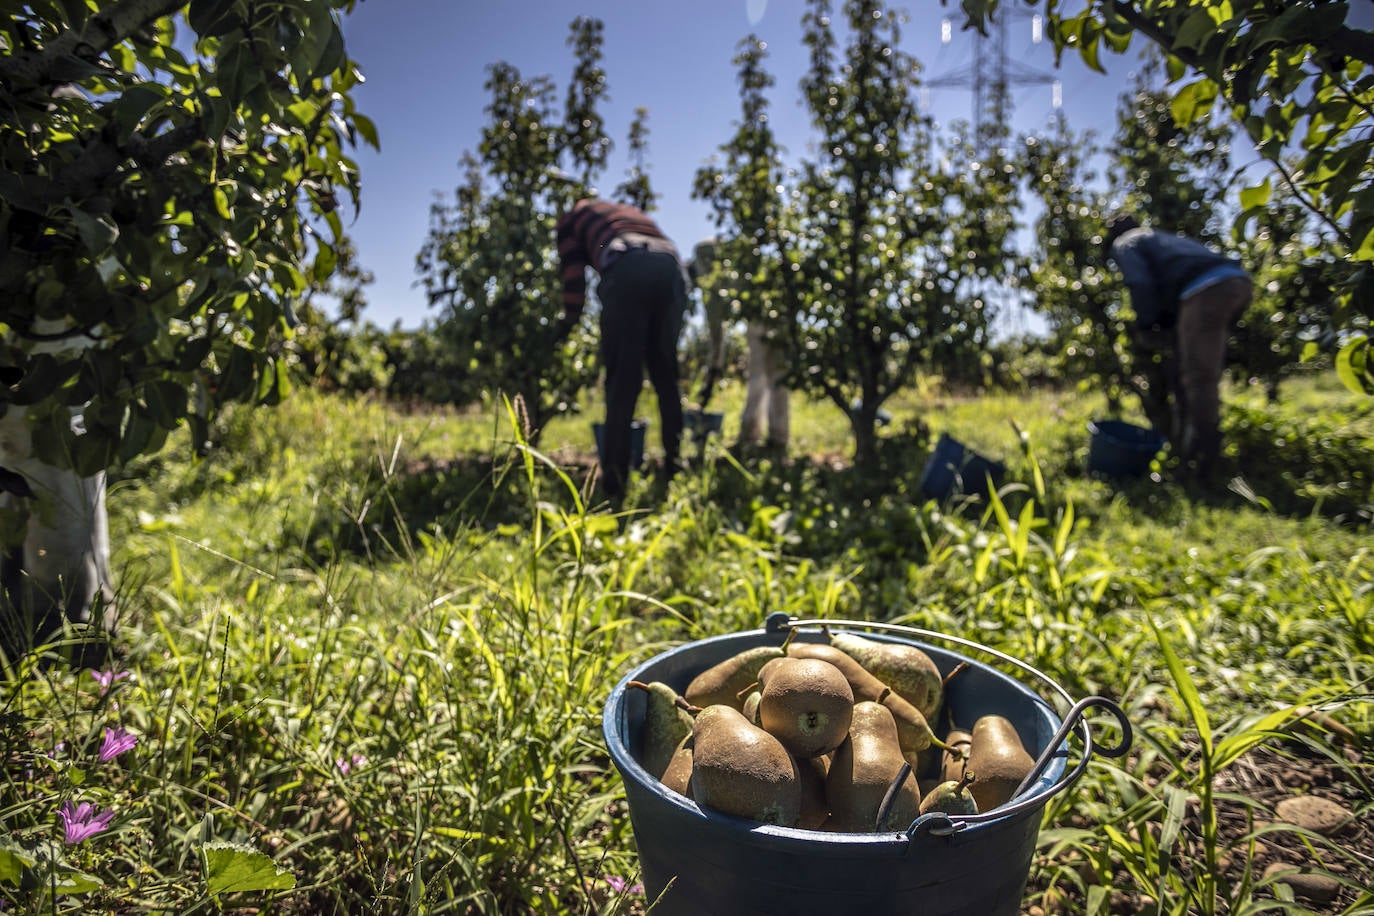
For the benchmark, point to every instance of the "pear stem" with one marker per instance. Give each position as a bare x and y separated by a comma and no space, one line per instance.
954,672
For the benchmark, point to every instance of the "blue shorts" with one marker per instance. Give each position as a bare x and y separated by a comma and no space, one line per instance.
1211,277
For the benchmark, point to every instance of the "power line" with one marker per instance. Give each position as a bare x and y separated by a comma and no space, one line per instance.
993,72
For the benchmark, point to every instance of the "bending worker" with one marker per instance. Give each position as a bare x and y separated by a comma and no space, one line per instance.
643,294
1186,297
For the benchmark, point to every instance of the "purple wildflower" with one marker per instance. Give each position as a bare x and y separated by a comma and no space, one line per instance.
116,742
106,678
621,886
82,821
346,766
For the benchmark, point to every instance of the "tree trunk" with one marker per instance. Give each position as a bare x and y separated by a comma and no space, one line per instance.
60,569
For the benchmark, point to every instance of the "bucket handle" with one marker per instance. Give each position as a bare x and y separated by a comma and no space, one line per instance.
938,823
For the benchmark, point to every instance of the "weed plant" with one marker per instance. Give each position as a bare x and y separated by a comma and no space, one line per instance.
363,653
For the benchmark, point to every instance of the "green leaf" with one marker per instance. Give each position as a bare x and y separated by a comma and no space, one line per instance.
97,233
13,860
1365,251
1257,196
1353,366
232,867
366,129
1186,689
1195,31
67,880
166,402
222,203
1193,101
1230,748
212,18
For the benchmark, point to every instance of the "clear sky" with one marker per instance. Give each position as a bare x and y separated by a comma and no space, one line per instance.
425,63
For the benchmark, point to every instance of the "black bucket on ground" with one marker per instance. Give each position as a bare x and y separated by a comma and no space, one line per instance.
1120,449
638,431
696,861
954,468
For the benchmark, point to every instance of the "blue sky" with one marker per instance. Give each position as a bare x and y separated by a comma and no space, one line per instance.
425,63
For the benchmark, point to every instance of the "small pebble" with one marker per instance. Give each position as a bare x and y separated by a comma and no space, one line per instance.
1313,888
1312,812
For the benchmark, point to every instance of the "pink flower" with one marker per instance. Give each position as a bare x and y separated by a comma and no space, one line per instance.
346,766
106,678
116,742
83,821
621,886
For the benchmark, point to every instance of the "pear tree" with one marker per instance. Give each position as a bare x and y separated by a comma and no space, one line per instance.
170,182
1296,76
489,262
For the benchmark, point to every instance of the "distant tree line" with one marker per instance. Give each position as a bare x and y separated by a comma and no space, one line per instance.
885,254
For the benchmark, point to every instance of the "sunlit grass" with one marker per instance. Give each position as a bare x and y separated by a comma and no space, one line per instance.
373,646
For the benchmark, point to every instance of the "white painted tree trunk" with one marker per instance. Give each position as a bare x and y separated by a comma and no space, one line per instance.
61,567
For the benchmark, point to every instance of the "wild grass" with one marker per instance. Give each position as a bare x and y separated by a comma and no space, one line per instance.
365,651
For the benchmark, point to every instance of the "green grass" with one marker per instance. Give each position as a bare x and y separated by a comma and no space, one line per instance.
370,647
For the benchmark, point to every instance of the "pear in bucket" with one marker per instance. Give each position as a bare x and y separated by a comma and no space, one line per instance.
911,673
999,758
806,704
952,796
862,770
740,769
667,720
726,682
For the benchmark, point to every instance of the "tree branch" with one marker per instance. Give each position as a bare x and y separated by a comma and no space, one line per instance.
102,31
100,162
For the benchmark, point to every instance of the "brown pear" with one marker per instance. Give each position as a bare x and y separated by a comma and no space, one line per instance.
806,704
863,684
667,720
999,758
678,774
910,672
725,682
862,769
811,773
916,734
740,769
954,762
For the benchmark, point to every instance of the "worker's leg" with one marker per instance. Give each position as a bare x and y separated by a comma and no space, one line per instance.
667,297
624,335
1204,323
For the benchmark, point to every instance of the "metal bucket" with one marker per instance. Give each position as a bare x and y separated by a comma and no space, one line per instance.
955,468
696,861
1120,449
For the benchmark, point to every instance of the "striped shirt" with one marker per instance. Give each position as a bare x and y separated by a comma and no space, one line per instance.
585,234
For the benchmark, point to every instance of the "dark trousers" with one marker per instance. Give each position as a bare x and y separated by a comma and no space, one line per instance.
643,296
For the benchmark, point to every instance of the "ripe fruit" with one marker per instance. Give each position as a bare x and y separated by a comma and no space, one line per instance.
807,705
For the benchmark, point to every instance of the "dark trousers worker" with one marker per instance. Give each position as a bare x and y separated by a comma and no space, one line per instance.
643,294
1186,298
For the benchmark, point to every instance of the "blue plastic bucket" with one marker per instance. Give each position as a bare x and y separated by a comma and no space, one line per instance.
703,862
638,430
1120,449
702,424
954,468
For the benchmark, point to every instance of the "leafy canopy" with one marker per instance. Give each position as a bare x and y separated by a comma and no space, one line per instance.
165,172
